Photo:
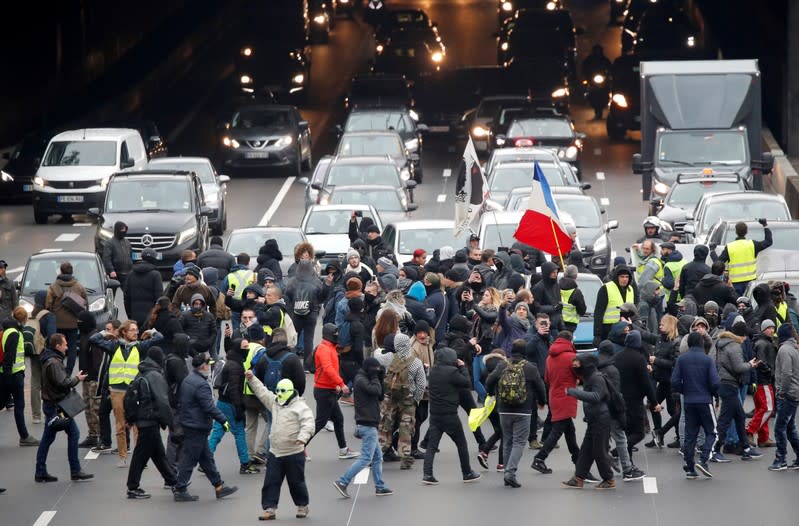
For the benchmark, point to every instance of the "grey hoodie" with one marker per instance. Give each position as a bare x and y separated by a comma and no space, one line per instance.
786,374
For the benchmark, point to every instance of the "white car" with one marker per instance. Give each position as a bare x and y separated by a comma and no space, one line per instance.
733,206
497,228
327,226
249,240
428,234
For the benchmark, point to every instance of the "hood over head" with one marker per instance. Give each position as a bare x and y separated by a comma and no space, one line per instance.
446,356
181,344
197,297
588,365
616,334
633,340
546,269
211,276
305,269
402,345
154,360
330,332
459,323
700,253
606,348
270,249
762,294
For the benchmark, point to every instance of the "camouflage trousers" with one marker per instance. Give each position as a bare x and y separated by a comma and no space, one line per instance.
400,416
92,408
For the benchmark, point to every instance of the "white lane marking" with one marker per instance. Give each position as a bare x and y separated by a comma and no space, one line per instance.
281,194
362,477
82,225
67,238
47,250
600,176
45,518
91,455
441,198
446,173
650,485
15,269
597,151
604,201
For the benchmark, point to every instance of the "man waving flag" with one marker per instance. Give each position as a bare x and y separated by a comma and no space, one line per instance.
469,190
540,226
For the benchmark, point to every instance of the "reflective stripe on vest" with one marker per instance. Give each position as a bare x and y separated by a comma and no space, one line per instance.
19,358
240,280
253,348
612,313
268,330
658,275
569,312
742,264
675,267
122,371
782,314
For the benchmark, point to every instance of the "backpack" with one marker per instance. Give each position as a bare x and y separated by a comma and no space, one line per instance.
274,371
32,334
73,302
135,397
396,383
291,331
616,405
302,301
512,387
217,374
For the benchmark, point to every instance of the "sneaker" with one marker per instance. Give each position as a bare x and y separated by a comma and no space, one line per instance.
659,439
88,443
500,468
391,456
719,458
417,454
302,512
482,459
29,441
572,483
184,496
703,469
651,444
767,443
46,477
329,427
429,480
258,458
675,444
540,466
794,466
37,420
114,451
248,469
751,453
606,484
223,491
268,515
81,475
383,492
472,477
406,464
510,481
690,473
346,453
138,493
101,449
123,463
535,444
633,474
341,488
591,479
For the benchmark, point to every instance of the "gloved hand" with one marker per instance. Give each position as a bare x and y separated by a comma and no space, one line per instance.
226,426
763,221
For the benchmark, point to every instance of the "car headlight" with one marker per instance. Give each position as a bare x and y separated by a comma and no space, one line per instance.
500,141
246,51
379,48
599,79
551,6
211,198
413,115
504,46
437,57
187,234
479,132
325,199
661,188
6,177
230,143
320,19
284,141
619,100
507,6
412,145
691,42
559,93
405,174
569,153
105,233
25,304
104,181
299,78
601,244
97,305
245,79
38,181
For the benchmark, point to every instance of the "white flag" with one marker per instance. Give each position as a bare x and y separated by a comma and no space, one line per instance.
470,190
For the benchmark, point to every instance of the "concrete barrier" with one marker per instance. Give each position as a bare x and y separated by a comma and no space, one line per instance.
783,179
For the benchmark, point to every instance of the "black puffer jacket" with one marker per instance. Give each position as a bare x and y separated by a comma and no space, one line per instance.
200,326
142,290
547,295
606,365
445,382
694,271
168,324
56,383
219,258
116,252
666,353
368,393
766,352
154,410
197,407
269,256
232,391
594,393
175,367
304,291
710,287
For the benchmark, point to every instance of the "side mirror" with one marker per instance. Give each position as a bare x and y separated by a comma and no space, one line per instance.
581,136
412,207
206,211
637,168
18,285
338,129
302,180
93,212
613,224
316,186
410,184
112,284
689,228
303,124
603,211
319,254
689,216
422,127
585,186
127,163
767,162
224,179
155,139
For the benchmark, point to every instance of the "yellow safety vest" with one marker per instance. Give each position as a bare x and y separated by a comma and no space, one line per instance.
782,314
253,348
743,263
658,275
612,313
239,281
19,357
569,312
675,267
122,371
268,330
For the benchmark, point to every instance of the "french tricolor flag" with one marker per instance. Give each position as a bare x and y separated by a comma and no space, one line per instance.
540,226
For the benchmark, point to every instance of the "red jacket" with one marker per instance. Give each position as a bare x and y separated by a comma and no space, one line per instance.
326,361
559,376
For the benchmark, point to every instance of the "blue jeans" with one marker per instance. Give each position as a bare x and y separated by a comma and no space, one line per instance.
73,435
236,428
732,434
740,287
370,453
785,428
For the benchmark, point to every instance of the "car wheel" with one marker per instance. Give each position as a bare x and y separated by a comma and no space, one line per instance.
39,217
297,168
224,221
307,164
417,174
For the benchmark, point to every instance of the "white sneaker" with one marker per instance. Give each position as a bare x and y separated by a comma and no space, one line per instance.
347,453
329,426
123,463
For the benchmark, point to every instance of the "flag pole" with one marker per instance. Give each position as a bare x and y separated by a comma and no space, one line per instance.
557,243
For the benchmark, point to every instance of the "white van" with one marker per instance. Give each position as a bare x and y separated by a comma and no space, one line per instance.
77,165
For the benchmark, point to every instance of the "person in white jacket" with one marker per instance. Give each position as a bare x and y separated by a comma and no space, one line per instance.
292,428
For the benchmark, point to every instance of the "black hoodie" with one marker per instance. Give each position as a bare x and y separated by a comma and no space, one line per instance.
175,367
711,287
547,295
269,256
155,409
692,272
446,380
56,383
142,290
232,391
304,292
594,393
765,305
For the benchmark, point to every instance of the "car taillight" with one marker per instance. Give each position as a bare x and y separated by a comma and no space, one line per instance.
524,142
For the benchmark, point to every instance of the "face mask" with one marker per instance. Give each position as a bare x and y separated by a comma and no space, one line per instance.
196,309
283,396
476,285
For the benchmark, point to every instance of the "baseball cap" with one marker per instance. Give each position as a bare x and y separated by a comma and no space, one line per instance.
3,263
419,252
668,244
474,237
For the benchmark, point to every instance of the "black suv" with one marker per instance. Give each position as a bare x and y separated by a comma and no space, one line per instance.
163,210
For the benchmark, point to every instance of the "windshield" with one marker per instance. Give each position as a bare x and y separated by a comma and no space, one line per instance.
251,242
499,235
506,177
697,148
584,211
345,175
261,118
784,238
388,199
202,170
81,153
379,88
747,209
540,128
379,121
140,196
428,239
489,108
31,147
688,195
42,272
590,289
379,145
323,221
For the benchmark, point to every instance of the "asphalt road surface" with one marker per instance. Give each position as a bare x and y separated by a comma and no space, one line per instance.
188,114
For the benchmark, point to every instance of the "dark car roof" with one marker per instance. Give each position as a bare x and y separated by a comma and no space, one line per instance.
261,106
64,255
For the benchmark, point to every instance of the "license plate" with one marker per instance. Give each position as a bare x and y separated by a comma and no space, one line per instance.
27,187
70,198
256,155
135,256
